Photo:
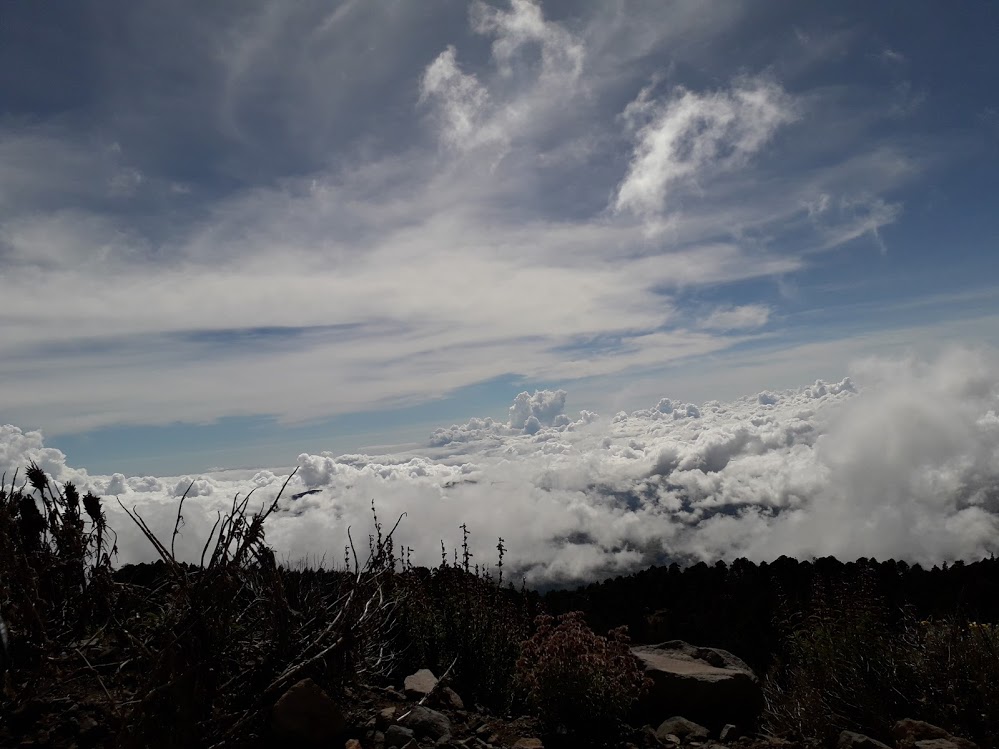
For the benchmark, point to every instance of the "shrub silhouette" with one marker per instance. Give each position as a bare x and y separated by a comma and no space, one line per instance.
56,580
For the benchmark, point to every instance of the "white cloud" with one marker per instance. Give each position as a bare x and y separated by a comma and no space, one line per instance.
525,103
746,316
405,271
903,463
544,406
462,100
562,55
690,137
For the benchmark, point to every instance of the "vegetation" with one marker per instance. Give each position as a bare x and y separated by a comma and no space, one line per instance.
577,679
196,654
851,663
458,618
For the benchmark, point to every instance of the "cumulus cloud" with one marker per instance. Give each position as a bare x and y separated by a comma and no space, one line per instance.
530,414
687,137
900,460
544,406
18,448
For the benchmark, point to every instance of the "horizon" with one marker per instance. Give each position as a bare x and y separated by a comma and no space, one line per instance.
357,236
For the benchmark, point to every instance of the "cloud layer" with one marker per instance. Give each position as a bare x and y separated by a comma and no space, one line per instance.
354,208
900,461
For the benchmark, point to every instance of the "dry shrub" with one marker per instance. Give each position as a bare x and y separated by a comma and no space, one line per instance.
578,681
227,640
957,676
851,663
459,618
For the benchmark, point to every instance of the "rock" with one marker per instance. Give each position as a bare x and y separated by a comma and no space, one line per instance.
427,722
352,744
448,698
305,714
851,740
707,685
911,734
685,729
394,693
729,732
385,717
398,736
528,744
419,685
670,739
937,744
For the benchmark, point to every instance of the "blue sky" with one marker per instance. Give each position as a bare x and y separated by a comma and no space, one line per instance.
231,233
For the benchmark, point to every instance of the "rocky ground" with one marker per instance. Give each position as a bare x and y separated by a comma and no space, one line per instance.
70,708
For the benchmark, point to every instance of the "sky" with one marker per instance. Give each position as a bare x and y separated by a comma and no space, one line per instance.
236,234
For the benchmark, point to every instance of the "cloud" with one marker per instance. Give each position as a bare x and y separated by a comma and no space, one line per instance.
544,407
562,55
462,100
687,137
893,57
901,460
530,414
737,318
526,97
289,239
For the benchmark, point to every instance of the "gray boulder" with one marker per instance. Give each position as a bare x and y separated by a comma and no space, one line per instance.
419,685
706,685
397,736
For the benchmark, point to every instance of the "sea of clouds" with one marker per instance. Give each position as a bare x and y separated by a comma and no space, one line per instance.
899,461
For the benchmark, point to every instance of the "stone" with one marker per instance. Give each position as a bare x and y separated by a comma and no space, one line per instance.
427,722
394,694
852,740
528,744
448,698
385,717
307,715
706,685
936,744
352,744
398,736
911,733
729,732
419,685
685,729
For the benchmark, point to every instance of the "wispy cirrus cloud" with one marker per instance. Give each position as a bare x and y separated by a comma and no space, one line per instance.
418,207
737,318
687,138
